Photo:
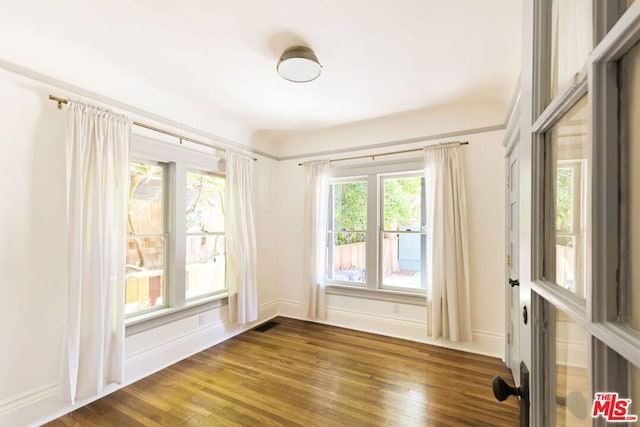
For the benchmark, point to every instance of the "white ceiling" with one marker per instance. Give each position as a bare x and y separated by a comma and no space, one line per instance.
380,57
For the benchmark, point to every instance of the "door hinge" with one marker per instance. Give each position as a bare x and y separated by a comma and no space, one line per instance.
542,324
509,260
508,182
508,338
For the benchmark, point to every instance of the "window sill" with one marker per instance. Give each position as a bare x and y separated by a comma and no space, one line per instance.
378,294
154,319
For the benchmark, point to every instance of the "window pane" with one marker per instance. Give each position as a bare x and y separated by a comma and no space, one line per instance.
205,203
571,40
346,257
566,157
205,265
566,262
634,388
565,200
626,384
630,109
403,258
349,206
145,198
144,284
572,375
404,203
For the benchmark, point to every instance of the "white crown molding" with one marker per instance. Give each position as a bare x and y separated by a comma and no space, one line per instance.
67,87
62,85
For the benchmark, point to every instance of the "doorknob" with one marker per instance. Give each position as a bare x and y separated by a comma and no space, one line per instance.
514,282
502,390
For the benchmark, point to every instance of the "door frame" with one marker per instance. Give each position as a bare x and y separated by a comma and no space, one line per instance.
511,143
613,348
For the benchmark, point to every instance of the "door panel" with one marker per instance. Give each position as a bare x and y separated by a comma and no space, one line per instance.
512,265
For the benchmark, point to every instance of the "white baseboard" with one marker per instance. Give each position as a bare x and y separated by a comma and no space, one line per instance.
484,342
162,355
42,405
16,409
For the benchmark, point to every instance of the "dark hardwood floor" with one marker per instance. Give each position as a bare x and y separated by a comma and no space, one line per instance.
302,373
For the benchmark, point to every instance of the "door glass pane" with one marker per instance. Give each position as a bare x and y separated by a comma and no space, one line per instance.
205,265
572,375
571,40
565,219
630,109
625,401
634,389
403,260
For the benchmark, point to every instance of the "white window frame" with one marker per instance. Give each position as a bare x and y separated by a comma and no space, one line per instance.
372,172
179,160
331,232
205,234
578,219
164,234
382,232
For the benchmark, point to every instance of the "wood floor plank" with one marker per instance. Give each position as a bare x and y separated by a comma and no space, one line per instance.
301,374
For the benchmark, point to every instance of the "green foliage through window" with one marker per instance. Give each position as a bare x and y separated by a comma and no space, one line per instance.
349,214
403,203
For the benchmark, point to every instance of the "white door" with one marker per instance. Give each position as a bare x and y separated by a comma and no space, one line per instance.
513,290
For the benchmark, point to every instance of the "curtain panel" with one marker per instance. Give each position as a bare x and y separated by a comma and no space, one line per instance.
447,252
98,155
241,239
314,236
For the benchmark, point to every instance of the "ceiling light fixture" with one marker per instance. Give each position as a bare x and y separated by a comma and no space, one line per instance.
299,64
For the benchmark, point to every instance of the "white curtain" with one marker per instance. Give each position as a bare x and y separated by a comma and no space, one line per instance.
241,239
98,153
314,235
447,259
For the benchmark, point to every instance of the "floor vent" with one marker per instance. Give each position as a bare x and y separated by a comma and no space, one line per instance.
266,326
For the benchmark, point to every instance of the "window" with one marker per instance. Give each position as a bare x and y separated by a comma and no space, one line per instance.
145,276
205,235
404,242
565,155
347,232
176,246
569,243
376,231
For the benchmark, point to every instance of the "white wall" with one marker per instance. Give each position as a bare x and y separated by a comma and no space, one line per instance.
33,248
484,163
33,262
442,120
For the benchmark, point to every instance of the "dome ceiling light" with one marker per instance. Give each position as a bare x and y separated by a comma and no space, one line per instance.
299,64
